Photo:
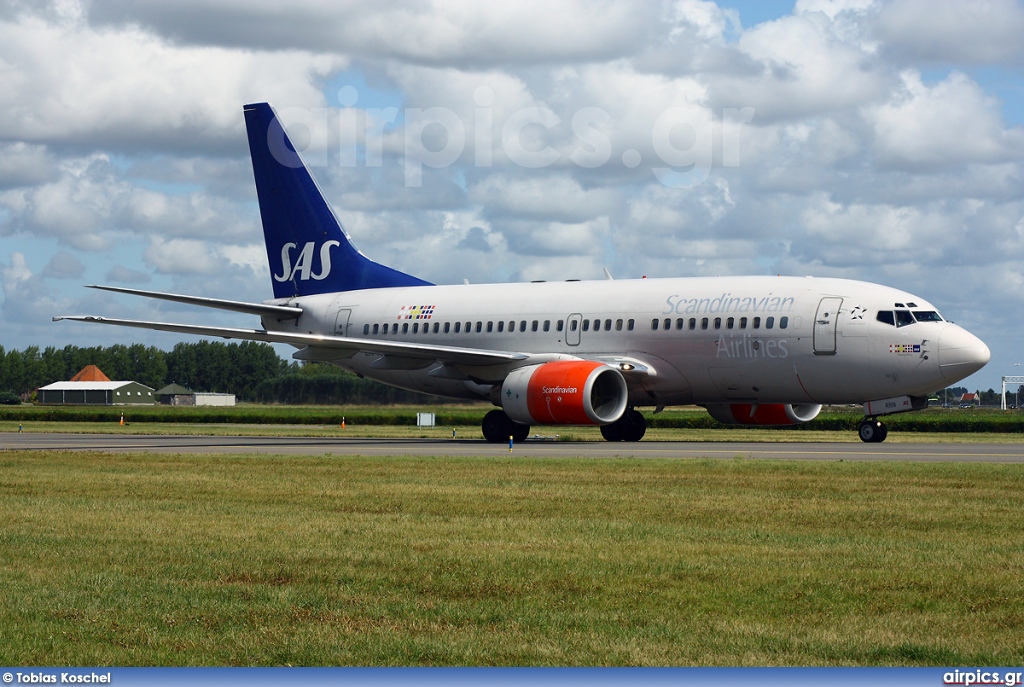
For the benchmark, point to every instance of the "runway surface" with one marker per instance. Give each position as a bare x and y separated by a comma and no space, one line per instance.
989,453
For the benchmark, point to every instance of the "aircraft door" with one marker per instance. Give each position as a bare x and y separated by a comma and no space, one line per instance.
825,326
342,322
572,329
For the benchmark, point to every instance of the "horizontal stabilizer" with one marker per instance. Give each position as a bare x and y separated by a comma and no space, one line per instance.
280,312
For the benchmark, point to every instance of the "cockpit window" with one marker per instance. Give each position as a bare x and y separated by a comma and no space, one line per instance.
886,316
927,316
903,318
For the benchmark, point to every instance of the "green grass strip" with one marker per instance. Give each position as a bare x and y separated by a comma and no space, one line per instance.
831,419
120,559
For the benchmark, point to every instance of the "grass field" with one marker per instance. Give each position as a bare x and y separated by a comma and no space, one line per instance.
251,560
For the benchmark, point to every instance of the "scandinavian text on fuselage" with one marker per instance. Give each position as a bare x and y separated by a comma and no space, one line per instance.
727,303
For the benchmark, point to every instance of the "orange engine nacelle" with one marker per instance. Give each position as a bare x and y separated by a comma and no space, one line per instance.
565,392
764,414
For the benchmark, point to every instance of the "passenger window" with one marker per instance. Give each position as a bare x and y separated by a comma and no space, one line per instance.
560,324
769,322
501,326
718,323
405,327
608,325
522,326
415,327
703,323
679,323
469,327
437,326
586,325
490,327
572,325
783,322
597,325
479,327
447,327
693,323
654,324
533,326
629,325
458,327
730,322
547,325
668,323
376,328
903,318
618,325
757,323
366,328
512,326
394,328
743,323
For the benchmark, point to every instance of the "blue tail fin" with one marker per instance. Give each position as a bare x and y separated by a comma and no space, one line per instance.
308,249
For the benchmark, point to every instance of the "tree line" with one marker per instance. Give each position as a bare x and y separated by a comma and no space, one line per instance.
251,371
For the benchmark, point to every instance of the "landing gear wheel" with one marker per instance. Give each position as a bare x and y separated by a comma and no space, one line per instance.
498,427
872,431
519,432
630,427
612,432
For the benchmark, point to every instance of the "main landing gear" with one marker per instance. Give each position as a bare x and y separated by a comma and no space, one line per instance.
872,431
498,427
630,427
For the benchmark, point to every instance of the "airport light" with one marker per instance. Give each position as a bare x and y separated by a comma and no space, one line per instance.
1017,400
1012,379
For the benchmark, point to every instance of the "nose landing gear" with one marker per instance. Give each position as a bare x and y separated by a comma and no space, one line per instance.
872,430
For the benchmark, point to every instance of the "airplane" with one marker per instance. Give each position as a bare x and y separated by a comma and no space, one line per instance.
755,350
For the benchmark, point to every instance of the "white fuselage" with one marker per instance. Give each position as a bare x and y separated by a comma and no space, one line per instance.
701,340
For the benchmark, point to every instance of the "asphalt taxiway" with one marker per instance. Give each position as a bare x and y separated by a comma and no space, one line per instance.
968,452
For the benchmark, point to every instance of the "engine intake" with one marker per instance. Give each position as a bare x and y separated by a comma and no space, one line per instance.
763,414
565,392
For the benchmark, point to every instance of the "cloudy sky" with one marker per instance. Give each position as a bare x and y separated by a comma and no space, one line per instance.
881,141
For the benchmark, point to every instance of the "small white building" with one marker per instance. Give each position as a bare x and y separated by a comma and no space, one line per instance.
210,399
177,395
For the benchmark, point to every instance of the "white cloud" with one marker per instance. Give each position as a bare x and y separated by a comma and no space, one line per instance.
953,122
123,87
125,275
64,265
976,32
463,33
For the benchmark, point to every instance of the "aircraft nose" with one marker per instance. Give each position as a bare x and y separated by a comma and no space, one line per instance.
961,353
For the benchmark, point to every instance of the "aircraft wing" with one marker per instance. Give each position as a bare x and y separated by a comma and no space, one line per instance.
281,312
344,346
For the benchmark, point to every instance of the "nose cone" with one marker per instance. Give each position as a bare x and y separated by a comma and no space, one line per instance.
961,353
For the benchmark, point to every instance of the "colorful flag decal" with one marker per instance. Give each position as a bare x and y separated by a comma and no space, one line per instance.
416,312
